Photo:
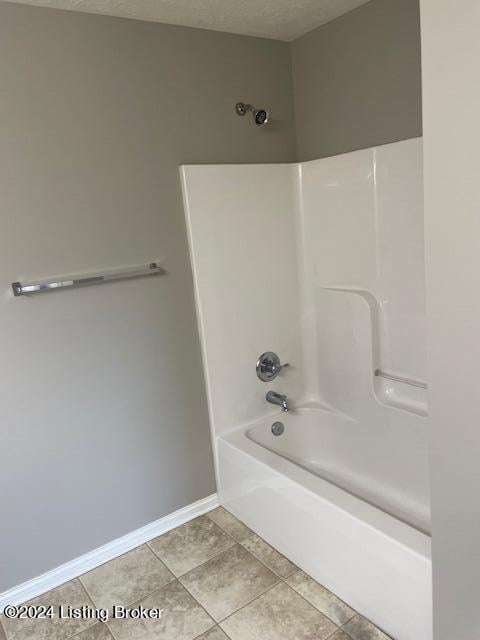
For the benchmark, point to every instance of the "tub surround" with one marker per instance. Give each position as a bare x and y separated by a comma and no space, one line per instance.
322,262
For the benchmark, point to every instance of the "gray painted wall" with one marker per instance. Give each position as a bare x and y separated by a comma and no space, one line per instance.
103,417
104,425
357,80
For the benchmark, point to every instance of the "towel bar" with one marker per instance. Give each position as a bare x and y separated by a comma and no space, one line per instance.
153,268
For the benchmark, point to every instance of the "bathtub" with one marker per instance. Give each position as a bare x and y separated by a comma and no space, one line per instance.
365,537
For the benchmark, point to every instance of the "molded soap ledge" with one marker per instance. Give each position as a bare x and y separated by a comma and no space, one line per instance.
399,395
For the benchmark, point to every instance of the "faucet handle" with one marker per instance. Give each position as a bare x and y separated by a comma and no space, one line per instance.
269,366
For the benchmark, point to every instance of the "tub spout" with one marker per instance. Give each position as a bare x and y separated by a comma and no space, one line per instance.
279,399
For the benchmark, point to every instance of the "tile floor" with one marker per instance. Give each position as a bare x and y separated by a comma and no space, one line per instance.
214,579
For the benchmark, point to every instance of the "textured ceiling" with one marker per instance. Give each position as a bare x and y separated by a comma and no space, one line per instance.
278,19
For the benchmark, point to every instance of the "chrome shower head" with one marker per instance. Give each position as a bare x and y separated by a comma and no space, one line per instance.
260,116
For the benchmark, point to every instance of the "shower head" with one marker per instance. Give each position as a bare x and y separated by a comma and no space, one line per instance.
260,116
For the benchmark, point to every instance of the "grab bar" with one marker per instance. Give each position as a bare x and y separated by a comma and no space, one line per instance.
152,269
395,378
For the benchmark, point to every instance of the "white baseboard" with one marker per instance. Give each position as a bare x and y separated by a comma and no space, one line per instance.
78,566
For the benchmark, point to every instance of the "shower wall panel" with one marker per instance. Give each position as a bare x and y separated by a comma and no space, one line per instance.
321,262
241,231
363,246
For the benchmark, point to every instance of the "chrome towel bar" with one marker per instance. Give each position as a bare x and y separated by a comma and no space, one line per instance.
395,378
152,269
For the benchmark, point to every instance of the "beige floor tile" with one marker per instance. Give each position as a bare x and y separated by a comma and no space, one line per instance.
324,600
228,581
70,594
269,556
214,634
2,632
97,632
127,578
340,635
191,544
182,618
229,523
359,628
279,614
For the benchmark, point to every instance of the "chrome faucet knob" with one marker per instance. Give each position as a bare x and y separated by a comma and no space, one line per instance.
269,366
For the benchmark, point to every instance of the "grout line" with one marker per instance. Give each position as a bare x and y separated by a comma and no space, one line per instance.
272,586
284,579
253,533
351,618
251,552
316,608
209,630
131,602
94,622
109,632
201,606
157,556
277,581
98,622
336,631
333,594
140,600
174,578
237,544
227,532
264,563
369,621
281,578
86,591
77,633
219,553
234,542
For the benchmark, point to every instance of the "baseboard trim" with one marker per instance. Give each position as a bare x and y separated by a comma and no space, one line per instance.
91,560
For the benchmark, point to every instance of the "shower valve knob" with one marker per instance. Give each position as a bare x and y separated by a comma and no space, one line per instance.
269,366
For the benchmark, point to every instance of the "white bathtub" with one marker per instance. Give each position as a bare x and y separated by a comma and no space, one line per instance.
360,534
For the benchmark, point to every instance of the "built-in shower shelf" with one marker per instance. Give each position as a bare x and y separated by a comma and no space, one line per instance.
395,392
390,388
